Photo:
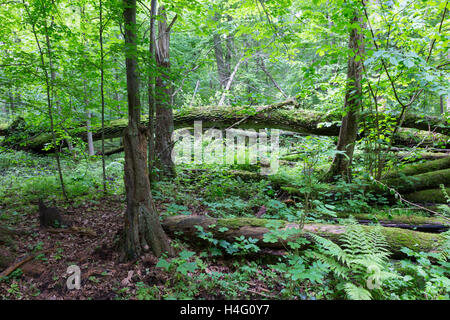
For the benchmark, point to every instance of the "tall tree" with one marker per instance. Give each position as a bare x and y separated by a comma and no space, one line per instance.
102,94
48,79
142,230
163,93
353,100
151,91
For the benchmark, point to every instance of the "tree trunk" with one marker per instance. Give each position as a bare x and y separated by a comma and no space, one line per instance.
428,180
223,72
142,229
273,116
90,141
415,169
428,196
353,101
164,115
49,88
102,95
255,228
151,92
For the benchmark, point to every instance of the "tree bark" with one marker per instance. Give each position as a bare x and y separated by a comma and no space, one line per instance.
353,100
49,86
255,228
151,92
90,141
275,116
422,181
142,229
164,114
222,70
102,95
428,196
415,169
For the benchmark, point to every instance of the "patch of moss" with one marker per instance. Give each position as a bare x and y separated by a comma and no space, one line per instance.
428,196
414,240
236,223
411,219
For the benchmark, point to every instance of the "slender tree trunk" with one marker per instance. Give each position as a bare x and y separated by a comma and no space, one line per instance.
195,92
163,92
441,100
90,141
151,92
263,68
224,73
102,93
49,84
229,48
353,102
4,110
230,81
143,229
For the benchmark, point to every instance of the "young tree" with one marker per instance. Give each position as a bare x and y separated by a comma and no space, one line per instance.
48,79
142,230
163,90
151,91
353,101
102,93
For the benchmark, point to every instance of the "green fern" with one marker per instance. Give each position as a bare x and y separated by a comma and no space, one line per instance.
360,251
356,292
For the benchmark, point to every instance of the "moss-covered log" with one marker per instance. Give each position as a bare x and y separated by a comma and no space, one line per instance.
408,157
284,115
428,196
256,228
418,182
419,168
424,138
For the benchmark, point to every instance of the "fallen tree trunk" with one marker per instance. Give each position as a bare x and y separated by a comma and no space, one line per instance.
420,168
418,182
413,157
428,227
256,228
428,196
410,137
410,222
402,155
275,116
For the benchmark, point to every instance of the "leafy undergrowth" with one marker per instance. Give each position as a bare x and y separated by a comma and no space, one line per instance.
221,271
104,277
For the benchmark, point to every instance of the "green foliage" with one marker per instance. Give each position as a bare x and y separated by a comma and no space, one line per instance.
361,259
425,276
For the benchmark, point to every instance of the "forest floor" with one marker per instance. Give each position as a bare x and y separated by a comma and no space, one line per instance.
238,270
102,275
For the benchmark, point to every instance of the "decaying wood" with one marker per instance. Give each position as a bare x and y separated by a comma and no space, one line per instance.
21,262
179,226
284,115
75,230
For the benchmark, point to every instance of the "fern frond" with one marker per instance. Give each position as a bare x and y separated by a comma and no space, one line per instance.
356,293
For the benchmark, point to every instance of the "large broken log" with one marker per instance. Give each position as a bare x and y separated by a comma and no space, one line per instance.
428,196
256,228
276,116
425,167
411,222
418,182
